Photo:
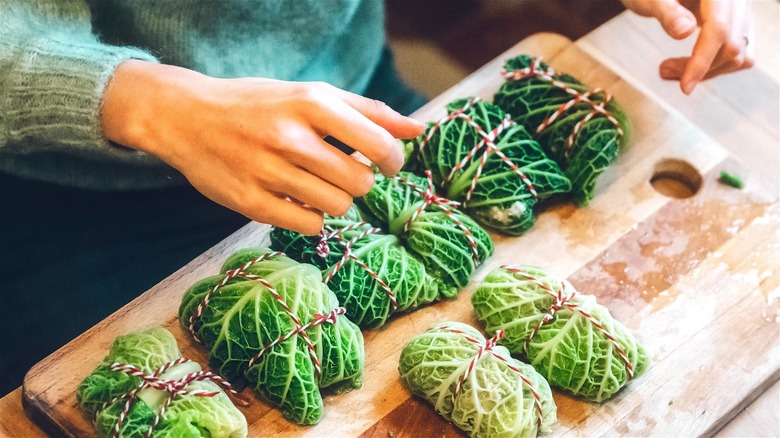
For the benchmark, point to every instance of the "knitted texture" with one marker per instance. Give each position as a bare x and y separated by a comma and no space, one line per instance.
57,56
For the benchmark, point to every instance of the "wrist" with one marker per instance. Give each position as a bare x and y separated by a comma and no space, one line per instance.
138,99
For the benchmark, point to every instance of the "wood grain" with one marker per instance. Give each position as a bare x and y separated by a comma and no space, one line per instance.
691,277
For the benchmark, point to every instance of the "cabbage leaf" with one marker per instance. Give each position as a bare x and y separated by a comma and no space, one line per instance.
571,348
100,394
499,397
448,242
531,100
402,283
498,181
243,318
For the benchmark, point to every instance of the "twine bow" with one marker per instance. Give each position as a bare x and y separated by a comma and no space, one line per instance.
487,347
446,205
563,299
535,71
323,250
173,387
300,328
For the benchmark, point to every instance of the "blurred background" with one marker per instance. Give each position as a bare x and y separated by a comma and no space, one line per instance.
439,42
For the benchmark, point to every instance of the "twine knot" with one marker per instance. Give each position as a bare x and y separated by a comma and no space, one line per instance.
447,206
562,299
328,233
330,317
172,386
487,347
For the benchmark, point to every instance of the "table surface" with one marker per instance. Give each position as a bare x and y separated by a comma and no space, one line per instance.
739,111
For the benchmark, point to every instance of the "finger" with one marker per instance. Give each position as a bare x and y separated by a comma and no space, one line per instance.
266,207
729,68
397,125
297,183
673,68
731,55
720,46
704,52
340,120
676,20
320,158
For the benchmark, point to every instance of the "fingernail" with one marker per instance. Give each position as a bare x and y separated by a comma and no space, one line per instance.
682,24
688,87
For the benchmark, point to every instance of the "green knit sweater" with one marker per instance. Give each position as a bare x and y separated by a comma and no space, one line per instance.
56,57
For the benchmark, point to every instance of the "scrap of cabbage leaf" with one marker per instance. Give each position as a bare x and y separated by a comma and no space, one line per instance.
532,100
187,415
437,236
514,176
366,301
569,350
493,400
243,318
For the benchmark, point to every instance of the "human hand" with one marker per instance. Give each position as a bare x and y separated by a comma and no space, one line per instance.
723,45
256,145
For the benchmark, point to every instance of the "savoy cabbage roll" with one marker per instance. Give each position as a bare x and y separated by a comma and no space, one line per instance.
573,341
478,156
270,323
449,243
199,409
476,384
582,129
371,273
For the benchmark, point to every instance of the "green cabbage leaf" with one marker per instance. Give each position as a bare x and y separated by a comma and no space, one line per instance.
498,182
532,100
402,284
243,318
448,242
499,397
100,394
569,348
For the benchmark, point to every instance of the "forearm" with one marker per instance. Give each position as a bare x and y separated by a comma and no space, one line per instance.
53,72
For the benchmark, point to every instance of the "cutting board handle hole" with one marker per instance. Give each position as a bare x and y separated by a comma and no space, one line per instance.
676,178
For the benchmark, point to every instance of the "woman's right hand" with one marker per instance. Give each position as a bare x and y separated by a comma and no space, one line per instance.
723,43
256,145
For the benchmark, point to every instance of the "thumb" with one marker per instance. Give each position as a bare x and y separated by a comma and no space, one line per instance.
678,22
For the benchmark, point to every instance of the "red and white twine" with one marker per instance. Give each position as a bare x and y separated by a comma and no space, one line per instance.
323,250
318,319
446,205
300,328
229,275
487,347
563,300
487,142
598,107
173,387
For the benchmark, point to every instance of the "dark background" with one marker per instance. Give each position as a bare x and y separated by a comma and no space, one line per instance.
475,31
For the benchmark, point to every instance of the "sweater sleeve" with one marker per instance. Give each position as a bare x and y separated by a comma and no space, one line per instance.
53,72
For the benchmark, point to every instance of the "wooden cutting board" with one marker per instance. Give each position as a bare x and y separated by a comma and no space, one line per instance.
695,279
